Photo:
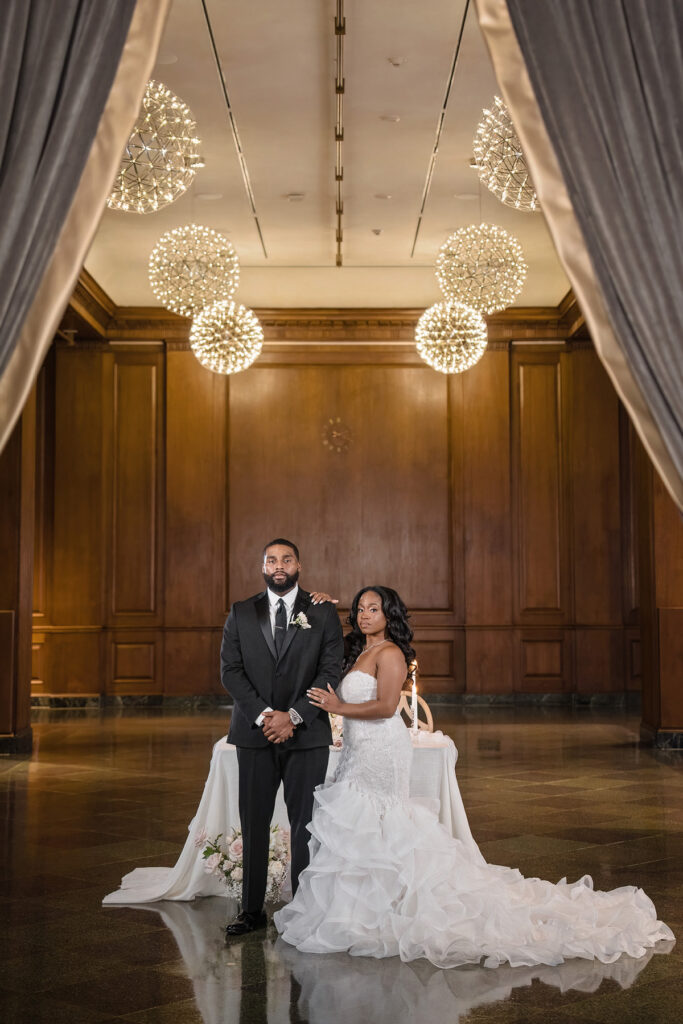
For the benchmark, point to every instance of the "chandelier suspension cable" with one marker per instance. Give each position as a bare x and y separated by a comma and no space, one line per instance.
439,128
235,134
339,88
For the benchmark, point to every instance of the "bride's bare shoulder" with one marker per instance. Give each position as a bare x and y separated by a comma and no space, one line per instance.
391,656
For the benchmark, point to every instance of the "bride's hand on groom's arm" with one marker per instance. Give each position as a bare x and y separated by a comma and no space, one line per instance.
277,726
326,700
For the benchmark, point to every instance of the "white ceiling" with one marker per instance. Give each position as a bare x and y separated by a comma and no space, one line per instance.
278,58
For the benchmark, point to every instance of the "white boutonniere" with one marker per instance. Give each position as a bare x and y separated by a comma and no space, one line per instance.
300,621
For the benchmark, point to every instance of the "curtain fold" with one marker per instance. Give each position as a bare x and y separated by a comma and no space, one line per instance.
72,75
594,90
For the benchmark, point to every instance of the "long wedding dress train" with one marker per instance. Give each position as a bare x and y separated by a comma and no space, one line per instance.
387,879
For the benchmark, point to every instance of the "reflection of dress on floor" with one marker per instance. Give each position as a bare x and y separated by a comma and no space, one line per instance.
386,879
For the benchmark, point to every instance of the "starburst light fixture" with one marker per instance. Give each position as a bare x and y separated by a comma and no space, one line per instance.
482,266
226,338
451,337
501,164
161,155
191,267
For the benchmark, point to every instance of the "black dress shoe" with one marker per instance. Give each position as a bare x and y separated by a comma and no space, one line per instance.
245,923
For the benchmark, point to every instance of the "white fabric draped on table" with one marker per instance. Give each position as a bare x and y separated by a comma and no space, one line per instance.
432,781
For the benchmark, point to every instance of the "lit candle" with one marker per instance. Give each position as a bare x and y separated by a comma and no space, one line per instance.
414,707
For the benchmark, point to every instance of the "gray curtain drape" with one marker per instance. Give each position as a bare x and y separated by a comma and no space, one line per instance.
608,80
57,65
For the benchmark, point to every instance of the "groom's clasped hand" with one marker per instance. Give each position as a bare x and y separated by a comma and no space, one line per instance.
277,725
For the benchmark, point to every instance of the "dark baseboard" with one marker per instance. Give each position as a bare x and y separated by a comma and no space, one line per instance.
17,743
663,739
150,700
628,701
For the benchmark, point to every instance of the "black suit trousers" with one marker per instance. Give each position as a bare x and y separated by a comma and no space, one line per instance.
261,770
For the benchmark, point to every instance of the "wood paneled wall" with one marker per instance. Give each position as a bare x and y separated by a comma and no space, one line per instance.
497,502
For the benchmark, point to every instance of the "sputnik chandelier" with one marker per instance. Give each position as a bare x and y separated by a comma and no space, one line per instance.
451,337
481,266
161,155
191,267
225,337
500,162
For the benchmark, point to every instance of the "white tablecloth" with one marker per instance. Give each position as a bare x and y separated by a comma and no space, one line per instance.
432,781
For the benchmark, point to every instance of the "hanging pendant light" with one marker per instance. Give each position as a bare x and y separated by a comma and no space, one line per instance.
500,162
191,267
451,337
225,337
161,156
481,266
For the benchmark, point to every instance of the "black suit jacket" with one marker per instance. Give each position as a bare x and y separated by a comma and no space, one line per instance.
256,678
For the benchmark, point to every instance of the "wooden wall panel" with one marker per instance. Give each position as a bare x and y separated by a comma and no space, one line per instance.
491,660
135,662
594,419
78,569
671,664
488,538
192,662
492,501
599,657
75,663
538,472
545,661
376,512
195,492
7,669
136,481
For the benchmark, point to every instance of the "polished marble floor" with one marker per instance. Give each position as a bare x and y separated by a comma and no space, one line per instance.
552,792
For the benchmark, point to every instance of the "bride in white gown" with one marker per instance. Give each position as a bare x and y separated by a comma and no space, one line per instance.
387,879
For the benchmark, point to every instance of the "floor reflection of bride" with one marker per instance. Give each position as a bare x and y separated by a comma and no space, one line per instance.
266,980
386,879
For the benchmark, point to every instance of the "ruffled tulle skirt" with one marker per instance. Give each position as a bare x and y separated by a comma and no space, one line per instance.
387,879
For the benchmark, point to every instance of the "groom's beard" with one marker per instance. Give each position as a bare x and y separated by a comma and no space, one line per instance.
281,588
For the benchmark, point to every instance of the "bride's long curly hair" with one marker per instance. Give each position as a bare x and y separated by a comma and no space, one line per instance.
397,628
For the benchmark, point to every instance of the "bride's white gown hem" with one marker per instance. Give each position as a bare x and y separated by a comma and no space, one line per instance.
387,879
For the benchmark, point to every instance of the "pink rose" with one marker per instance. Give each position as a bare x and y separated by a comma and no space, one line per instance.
201,837
211,863
235,849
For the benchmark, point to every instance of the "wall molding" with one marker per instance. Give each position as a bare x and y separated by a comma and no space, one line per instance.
92,315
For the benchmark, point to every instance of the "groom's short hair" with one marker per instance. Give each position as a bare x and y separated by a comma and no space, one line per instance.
285,543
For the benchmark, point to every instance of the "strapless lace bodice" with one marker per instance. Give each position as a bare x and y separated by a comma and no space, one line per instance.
377,752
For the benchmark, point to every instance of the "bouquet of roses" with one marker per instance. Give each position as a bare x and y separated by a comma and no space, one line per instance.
337,723
224,859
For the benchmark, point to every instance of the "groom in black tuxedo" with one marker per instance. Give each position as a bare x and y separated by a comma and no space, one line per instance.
275,646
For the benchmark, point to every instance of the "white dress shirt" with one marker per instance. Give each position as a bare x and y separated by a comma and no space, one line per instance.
273,599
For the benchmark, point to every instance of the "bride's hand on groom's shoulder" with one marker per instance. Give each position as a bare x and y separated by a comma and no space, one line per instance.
320,597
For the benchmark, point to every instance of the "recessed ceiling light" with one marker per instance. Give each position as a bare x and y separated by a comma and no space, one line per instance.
397,61
208,197
294,197
472,162
376,231
466,196
166,58
383,195
391,118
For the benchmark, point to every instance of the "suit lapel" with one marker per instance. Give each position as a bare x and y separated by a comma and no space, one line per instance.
300,605
262,607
